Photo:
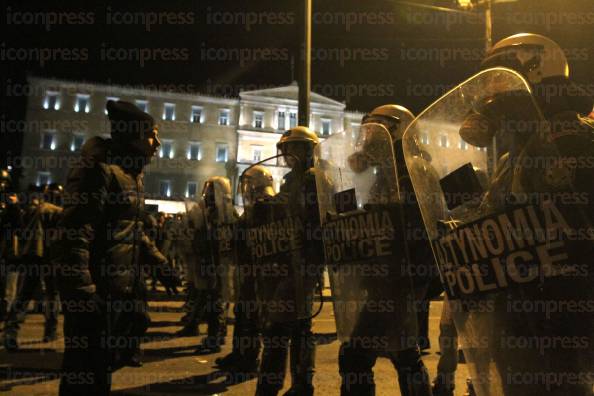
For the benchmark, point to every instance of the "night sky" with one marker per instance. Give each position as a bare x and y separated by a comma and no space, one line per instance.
366,53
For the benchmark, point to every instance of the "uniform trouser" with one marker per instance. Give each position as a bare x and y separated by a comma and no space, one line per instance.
246,342
9,285
96,344
3,277
32,273
211,307
356,369
85,367
448,346
546,366
422,308
423,321
277,339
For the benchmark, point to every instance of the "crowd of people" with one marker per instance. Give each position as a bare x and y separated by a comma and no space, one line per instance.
97,251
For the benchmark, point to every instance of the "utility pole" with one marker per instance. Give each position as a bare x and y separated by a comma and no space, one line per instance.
305,75
488,25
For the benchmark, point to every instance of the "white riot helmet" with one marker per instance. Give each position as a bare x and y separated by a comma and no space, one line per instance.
394,117
534,56
255,183
216,194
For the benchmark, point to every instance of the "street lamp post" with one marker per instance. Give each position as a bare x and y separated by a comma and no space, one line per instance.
488,25
305,75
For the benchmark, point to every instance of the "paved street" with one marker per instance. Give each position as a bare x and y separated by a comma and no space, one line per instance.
170,368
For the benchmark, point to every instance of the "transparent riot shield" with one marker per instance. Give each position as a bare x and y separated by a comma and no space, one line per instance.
364,243
221,218
492,189
223,239
275,242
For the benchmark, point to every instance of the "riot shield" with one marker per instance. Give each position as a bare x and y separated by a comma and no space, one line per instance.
220,223
364,243
275,242
504,238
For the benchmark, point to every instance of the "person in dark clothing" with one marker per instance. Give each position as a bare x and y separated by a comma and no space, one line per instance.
100,249
11,224
38,236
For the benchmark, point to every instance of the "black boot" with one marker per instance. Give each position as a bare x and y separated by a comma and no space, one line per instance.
413,377
189,330
50,334
469,388
302,359
300,390
3,308
209,345
11,340
228,361
135,359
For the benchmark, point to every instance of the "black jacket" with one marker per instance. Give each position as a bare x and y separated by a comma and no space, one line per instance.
102,242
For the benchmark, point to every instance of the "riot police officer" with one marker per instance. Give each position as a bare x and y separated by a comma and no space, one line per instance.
534,144
396,119
38,238
287,319
569,145
212,244
100,251
355,360
256,185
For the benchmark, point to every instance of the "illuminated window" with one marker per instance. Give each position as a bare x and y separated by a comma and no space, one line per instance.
258,119
355,130
194,151
48,141
463,145
169,112
256,153
115,99
326,123
224,117
292,120
43,178
281,120
77,142
165,188
51,101
191,189
425,138
443,141
166,149
142,105
82,104
196,114
222,153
